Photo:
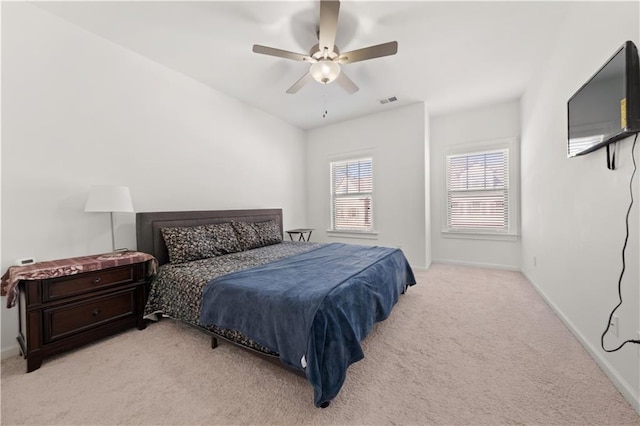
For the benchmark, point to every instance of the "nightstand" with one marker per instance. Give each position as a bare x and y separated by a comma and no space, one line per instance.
79,300
301,232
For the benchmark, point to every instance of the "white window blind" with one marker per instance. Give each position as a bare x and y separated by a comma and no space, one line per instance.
352,195
478,191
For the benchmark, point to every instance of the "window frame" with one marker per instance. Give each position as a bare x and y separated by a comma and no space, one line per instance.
360,233
510,145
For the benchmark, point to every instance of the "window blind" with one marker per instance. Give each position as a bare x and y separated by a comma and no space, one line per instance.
352,195
478,191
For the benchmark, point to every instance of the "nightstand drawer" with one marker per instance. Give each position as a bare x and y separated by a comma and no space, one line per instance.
65,320
77,284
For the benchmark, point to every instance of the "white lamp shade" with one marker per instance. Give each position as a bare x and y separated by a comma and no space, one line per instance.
324,71
109,199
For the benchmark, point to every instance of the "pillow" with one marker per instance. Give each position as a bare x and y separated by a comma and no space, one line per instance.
247,235
269,232
222,238
188,243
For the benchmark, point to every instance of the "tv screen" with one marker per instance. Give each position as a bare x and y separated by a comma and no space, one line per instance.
607,107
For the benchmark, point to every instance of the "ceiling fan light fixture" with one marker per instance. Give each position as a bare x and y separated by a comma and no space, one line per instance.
324,71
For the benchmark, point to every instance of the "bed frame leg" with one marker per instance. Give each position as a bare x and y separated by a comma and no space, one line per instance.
214,342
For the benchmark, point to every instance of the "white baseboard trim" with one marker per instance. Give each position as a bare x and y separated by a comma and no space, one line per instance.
622,385
9,352
477,264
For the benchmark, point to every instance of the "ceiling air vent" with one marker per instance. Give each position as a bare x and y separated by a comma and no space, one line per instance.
387,100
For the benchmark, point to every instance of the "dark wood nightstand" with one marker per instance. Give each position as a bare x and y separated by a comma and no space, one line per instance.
64,312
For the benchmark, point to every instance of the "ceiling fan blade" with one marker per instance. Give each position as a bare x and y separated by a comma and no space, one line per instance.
298,84
329,10
346,83
377,51
282,53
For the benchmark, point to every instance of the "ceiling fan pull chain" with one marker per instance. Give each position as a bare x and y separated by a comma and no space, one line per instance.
324,102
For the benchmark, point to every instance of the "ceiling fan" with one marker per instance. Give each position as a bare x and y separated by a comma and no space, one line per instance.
325,57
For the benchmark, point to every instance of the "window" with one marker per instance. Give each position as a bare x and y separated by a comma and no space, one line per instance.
352,195
478,192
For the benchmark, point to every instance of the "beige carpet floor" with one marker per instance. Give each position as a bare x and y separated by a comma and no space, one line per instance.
464,346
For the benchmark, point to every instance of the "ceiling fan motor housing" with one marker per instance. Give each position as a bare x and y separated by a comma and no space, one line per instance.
317,53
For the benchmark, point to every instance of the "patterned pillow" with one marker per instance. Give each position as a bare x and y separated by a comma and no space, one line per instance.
269,232
189,243
247,235
222,238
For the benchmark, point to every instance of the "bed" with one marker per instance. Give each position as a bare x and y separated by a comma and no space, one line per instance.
304,305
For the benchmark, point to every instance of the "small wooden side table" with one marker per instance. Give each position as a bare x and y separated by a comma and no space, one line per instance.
301,232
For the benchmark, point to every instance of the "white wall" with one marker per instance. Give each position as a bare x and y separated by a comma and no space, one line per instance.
427,189
468,128
573,209
78,110
396,139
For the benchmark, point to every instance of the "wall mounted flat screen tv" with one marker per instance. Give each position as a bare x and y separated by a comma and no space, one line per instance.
607,107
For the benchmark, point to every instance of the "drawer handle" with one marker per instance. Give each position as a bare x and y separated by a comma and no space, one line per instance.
97,280
95,312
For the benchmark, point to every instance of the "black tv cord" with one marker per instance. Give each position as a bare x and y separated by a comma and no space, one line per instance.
624,247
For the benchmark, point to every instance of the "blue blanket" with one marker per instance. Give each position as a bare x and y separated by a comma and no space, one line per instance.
314,308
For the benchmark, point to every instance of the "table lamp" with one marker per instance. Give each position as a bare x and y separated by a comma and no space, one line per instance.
109,199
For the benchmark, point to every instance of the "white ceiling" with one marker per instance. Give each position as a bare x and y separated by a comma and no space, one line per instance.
451,55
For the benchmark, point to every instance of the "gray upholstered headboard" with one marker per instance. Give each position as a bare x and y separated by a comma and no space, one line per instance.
148,225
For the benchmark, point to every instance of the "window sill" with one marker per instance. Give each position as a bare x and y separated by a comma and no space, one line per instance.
369,235
479,235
